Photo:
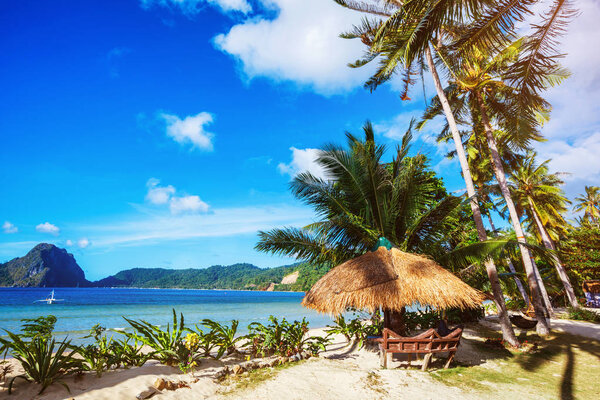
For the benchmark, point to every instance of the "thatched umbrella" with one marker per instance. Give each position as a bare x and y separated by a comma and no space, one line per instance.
392,280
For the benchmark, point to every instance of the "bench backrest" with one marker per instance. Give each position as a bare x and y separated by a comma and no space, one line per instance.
427,342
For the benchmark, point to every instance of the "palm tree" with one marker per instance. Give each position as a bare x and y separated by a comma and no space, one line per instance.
365,199
589,203
537,192
477,88
402,42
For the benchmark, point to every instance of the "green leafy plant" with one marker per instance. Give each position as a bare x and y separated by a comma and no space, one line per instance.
581,314
357,329
192,344
222,336
282,338
129,354
43,362
423,319
40,327
98,356
167,344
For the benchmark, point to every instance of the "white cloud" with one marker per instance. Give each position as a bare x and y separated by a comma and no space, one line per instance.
303,160
580,158
190,129
232,5
575,102
8,227
69,242
83,243
158,194
191,7
47,227
191,204
301,44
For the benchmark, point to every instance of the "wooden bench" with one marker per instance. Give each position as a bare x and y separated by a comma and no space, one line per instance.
428,343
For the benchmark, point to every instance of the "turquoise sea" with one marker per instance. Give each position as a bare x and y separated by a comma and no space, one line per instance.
84,307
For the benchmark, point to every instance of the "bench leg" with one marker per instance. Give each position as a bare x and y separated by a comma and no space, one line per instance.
409,358
382,357
426,361
450,358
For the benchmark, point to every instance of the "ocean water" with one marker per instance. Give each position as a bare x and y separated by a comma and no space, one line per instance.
84,307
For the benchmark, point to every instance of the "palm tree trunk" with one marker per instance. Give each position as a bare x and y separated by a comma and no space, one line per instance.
507,330
559,267
543,327
512,269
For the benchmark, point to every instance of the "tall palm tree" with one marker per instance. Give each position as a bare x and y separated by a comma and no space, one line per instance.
402,42
589,203
477,85
537,192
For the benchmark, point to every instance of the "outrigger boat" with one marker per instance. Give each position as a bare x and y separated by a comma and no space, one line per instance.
49,300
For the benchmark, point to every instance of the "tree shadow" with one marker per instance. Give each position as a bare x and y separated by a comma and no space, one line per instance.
566,385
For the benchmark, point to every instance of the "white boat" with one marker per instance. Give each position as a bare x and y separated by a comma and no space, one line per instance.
49,300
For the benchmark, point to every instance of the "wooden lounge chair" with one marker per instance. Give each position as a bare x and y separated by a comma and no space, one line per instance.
428,343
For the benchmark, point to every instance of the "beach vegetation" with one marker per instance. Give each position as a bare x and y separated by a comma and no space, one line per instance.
356,330
167,344
38,328
282,338
221,336
45,361
581,314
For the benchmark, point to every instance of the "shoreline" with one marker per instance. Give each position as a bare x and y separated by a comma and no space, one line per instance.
149,288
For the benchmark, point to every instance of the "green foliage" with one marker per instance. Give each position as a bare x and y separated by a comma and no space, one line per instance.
237,276
424,319
167,344
581,314
516,303
282,338
367,199
580,253
40,327
219,335
42,360
356,329
106,352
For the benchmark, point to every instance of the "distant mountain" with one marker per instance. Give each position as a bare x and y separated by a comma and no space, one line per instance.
44,265
48,265
236,276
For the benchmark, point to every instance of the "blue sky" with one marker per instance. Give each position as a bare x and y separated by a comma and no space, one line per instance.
163,133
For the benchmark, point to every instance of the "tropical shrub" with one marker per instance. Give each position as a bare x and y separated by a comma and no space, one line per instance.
423,319
129,354
98,356
43,362
40,327
283,338
581,314
580,252
356,329
222,336
167,344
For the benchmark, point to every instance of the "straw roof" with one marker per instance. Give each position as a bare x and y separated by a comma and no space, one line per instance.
390,279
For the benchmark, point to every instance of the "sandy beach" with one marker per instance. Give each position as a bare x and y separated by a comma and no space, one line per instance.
342,372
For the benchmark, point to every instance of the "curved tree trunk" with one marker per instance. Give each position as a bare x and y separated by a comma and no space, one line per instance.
543,326
507,330
512,269
550,246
